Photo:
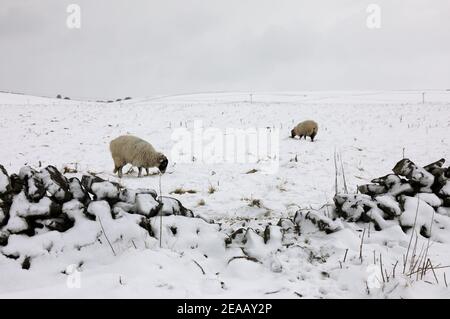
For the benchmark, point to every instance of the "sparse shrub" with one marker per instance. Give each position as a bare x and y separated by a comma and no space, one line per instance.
181,191
211,189
255,203
201,202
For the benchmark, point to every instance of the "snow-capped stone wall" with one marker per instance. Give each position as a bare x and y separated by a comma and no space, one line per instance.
34,204
412,196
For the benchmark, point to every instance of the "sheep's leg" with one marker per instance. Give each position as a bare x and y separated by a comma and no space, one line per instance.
313,136
147,171
118,164
140,172
300,137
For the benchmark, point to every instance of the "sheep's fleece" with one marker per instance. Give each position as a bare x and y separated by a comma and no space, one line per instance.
128,149
304,129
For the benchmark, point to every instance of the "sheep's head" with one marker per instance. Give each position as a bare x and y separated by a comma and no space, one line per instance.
163,161
292,133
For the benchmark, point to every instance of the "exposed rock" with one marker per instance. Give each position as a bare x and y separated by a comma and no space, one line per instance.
147,225
352,206
26,172
78,191
416,213
56,184
61,223
417,176
323,223
445,190
34,188
4,211
446,201
389,205
5,184
172,206
395,185
436,165
17,184
4,237
238,236
101,189
431,199
372,189
26,263
147,205
129,195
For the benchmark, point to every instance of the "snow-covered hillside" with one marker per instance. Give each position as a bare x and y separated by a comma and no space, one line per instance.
371,131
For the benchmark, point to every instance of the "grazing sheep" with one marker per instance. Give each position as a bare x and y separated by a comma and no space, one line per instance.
304,129
127,149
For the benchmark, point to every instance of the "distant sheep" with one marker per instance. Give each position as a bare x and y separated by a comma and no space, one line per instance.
304,129
128,149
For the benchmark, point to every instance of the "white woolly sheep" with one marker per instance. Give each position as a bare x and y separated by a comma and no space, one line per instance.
128,149
304,129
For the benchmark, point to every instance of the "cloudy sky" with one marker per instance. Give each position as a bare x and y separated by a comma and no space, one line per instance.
147,47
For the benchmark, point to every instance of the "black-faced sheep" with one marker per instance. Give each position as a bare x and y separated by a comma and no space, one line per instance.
128,149
304,129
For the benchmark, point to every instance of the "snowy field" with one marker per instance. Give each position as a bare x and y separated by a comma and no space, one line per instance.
370,130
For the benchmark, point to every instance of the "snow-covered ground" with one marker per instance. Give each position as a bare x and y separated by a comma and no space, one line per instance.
370,130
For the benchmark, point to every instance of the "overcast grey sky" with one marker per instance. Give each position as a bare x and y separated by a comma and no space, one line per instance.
146,47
